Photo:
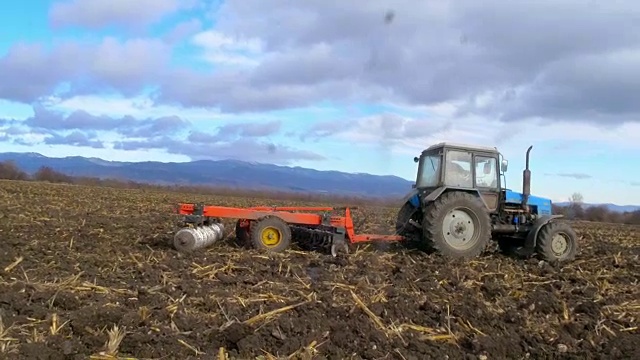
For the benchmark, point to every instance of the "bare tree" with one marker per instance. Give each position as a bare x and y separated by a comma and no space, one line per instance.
576,210
10,171
576,198
48,174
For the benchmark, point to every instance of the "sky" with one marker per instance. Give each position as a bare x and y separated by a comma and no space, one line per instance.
331,85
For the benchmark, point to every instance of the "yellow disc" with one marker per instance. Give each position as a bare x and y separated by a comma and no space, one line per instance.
271,236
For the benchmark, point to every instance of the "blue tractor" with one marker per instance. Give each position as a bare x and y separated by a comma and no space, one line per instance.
459,203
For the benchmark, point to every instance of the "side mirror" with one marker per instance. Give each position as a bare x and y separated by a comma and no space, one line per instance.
413,186
504,165
416,159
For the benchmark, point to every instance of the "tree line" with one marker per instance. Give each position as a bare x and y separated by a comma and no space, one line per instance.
575,210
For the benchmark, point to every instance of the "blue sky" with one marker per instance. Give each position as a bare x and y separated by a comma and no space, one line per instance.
330,85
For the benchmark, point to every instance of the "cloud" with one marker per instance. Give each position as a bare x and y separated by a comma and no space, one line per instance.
233,91
98,14
252,129
155,127
182,31
237,130
466,69
75,138
46,119
80,128
202,147
235,140
588,88
577,176
19,132
387,129
413,132
30,72
493,60
222,49
501,61
241,141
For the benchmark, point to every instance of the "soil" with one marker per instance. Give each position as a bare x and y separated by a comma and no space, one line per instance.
84,267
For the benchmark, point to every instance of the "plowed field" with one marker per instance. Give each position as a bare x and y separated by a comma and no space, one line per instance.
87,271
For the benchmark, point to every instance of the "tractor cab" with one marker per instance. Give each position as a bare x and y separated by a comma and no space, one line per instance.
460,166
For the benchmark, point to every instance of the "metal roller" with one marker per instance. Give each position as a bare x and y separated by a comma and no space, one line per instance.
189,239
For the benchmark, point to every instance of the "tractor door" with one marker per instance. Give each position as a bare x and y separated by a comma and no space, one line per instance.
487,180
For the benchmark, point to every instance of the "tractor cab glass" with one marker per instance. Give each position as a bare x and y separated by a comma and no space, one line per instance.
461,166
457,171
428,170
457,168
486,172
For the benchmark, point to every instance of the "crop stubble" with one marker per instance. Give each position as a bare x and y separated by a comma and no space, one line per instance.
90,271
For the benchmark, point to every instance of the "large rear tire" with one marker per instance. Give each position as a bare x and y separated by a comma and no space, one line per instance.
457,225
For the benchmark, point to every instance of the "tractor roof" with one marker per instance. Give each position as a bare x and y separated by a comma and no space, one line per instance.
469,147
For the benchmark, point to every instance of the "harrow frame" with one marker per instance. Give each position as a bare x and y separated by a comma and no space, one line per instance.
337,231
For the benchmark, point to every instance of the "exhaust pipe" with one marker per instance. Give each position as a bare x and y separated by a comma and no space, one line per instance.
190,239
526,182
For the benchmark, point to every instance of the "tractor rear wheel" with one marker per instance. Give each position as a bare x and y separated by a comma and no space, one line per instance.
457,225
270,233
557,242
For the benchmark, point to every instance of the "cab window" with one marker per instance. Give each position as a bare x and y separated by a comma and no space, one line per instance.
458,169
486,172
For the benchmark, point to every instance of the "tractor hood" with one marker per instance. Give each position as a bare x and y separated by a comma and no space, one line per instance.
540,205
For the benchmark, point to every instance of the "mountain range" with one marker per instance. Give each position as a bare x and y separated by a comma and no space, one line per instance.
611,207
222,173
234,174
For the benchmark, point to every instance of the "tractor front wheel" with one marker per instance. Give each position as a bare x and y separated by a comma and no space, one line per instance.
457,225
557,242
270,233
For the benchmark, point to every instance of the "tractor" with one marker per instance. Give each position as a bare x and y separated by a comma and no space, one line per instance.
459,204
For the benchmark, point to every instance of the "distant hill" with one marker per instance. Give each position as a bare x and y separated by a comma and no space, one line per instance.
224,173
610,207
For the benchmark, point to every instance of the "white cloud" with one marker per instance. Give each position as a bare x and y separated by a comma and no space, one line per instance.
410,133
32,138
95,14
139,107
223,49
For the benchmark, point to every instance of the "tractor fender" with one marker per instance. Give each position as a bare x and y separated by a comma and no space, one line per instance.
532,237
441,190
434,194
413,198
